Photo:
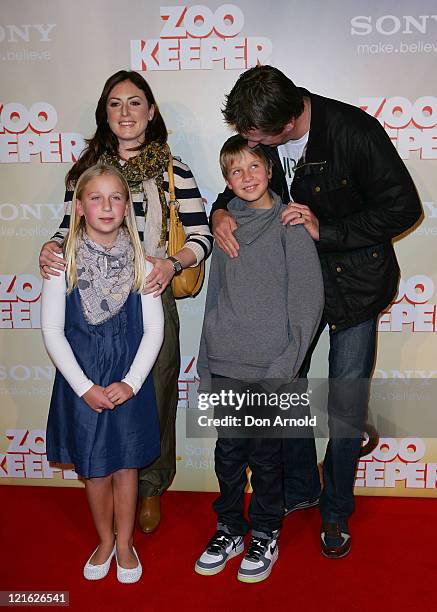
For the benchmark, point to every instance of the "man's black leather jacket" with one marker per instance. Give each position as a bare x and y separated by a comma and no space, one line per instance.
356,184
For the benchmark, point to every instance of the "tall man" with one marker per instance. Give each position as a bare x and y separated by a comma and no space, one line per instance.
351,191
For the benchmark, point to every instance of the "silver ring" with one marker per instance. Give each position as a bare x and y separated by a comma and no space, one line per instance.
159,284
301,215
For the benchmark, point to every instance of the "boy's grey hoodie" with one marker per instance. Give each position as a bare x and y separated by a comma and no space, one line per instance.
264,306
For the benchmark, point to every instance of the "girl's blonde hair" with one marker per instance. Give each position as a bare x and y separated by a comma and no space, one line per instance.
77,225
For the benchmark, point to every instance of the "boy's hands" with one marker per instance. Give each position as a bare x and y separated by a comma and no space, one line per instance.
50,260
118,393
97,399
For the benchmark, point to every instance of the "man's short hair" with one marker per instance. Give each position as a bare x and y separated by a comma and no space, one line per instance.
234,147
263,98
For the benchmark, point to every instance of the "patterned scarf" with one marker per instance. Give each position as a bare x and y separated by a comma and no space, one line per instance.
144,173
105,276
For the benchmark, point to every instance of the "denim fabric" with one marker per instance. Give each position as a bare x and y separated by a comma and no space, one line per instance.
351,357
232,458
98,444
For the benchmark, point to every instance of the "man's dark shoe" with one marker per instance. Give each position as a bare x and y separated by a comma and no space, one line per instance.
335,540
304,505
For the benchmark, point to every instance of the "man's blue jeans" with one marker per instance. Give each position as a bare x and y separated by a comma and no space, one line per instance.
351,357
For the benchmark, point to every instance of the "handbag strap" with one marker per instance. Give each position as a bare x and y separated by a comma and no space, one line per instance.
171,189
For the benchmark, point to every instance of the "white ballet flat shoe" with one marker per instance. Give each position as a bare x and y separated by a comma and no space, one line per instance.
97,572
129,576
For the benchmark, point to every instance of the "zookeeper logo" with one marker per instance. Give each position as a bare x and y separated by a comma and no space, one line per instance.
28,132
412,308
25,456
411,125
20,301
397,463
389,34
187,377
197,38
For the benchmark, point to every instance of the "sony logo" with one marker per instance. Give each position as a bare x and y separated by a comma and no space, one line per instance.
430,210
403,375
387,25
38,32
12,212
22,372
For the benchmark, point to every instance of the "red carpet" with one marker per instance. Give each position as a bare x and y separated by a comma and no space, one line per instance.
46,535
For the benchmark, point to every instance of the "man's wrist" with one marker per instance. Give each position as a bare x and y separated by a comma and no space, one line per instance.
219,210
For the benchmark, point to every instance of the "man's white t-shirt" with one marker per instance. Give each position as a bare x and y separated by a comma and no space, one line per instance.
290,154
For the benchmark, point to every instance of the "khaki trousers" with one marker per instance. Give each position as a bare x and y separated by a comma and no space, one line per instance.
157,477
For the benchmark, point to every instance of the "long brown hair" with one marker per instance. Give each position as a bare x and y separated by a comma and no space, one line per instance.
104,140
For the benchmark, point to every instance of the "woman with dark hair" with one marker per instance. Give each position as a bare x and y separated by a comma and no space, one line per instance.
105,139
131,135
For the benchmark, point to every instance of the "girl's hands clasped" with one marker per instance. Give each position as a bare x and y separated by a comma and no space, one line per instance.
118,393
106,398
97,400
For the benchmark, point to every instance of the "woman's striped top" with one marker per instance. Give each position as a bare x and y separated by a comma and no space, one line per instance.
191,211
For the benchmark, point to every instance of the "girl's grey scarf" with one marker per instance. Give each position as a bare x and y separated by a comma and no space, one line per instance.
105,276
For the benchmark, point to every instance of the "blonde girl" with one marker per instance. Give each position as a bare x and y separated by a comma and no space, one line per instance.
103,336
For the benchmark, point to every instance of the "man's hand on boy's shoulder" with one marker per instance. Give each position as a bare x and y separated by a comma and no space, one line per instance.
299,214
223,228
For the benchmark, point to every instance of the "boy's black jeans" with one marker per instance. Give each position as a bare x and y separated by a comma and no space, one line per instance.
232,458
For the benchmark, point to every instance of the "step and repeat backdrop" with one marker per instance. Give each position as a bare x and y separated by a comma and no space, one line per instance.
54,59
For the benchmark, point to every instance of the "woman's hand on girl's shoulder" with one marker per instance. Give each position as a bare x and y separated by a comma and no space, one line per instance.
160,277
118,392
51,260
97,399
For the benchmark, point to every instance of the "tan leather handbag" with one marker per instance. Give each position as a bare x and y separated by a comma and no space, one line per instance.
189,281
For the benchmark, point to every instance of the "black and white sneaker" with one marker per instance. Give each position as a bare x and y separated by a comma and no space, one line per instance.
222,547
260,557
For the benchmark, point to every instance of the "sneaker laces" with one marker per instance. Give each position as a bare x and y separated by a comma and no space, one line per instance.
332,530
256,548
220,541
